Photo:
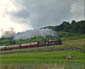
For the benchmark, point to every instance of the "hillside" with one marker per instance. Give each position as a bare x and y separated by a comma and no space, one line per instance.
51,55
73,44
66,30
74,27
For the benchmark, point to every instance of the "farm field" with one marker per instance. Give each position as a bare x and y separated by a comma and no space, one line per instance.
46,57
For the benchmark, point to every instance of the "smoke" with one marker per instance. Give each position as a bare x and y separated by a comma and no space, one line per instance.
35,33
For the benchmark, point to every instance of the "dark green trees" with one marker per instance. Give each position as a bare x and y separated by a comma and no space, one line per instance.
75,27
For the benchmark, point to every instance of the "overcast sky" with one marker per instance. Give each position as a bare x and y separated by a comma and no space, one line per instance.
31,14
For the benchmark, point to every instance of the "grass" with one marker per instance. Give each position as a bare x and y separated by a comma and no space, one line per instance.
42,66
46,57
42,57
47,54
43,60
79,43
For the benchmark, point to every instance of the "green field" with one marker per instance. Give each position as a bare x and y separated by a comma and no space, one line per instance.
43,57
47,55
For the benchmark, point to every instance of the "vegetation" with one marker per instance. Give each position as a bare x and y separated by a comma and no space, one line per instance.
47,54
74,27
44,66
72,35
21,41
78,43
42,57
63,35
66,30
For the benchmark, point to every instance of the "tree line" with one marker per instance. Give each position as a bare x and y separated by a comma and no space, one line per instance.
74,27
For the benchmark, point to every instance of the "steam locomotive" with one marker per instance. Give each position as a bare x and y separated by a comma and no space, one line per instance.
34,44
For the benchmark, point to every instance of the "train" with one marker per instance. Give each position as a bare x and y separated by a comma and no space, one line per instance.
34,44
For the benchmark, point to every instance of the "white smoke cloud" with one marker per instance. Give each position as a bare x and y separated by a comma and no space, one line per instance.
35,33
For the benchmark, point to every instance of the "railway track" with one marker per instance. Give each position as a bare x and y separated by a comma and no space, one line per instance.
42,50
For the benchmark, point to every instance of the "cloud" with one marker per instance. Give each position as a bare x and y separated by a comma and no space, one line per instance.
77,10
48,12
31,14
6,20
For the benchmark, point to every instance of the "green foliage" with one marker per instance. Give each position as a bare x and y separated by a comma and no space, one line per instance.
70,35
4,42
7,41
75,27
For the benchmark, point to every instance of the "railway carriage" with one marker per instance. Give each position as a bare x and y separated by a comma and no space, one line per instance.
34,44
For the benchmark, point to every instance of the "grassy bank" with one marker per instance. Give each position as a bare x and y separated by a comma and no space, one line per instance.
79,43
43,57
47,54
47,57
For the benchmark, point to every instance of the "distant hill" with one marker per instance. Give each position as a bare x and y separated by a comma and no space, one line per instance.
74,27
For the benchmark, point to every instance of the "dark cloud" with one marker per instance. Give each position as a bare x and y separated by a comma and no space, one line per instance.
46,12
21,14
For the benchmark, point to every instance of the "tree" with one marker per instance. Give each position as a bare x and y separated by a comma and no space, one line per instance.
75,27
82,27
